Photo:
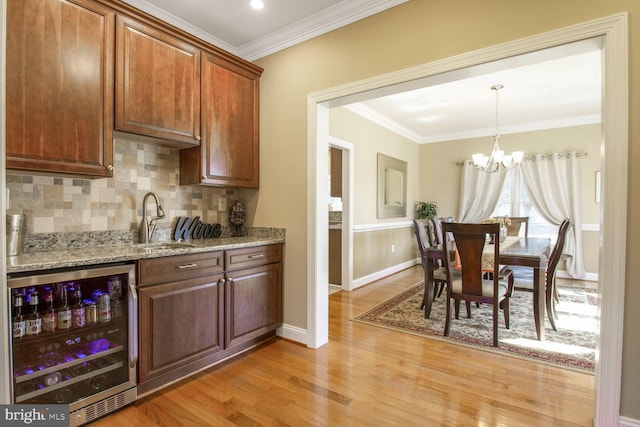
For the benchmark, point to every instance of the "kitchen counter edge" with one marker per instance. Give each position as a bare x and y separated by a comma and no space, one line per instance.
78,257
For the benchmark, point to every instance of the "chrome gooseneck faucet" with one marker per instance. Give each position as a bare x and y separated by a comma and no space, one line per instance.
148,224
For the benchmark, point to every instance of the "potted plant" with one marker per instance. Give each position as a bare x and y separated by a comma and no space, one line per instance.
425,210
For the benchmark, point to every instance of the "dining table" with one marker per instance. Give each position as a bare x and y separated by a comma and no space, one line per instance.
526,252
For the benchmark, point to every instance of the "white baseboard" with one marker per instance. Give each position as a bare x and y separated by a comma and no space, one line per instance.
293,333
365,280
589,277
628,422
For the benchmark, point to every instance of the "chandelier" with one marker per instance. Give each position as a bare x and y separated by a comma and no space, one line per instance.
497,161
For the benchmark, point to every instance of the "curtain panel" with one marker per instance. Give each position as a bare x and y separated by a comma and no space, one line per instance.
553,184
479,192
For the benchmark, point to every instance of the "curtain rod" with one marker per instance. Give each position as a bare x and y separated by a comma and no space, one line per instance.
541,157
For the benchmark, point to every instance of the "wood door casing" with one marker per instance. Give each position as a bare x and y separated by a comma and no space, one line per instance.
59,82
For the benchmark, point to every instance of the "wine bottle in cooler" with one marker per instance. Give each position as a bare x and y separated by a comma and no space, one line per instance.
49,315
77,312
64,311
34,322
18,322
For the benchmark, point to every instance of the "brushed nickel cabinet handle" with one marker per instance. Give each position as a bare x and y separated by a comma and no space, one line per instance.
110,168
182,267
198,138
256,256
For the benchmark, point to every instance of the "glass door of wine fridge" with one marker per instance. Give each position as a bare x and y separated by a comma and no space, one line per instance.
74,339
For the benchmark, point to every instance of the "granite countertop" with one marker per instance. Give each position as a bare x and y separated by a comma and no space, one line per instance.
104,254
335,225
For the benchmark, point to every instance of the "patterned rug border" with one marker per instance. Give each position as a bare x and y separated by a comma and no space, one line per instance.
504,349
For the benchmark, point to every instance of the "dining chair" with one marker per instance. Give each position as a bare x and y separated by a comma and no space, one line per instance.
516,225
424,238
470,240
551,291
437,225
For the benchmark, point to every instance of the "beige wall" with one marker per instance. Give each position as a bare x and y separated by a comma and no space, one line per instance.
438,165
414,33
378,249
372,250
368,140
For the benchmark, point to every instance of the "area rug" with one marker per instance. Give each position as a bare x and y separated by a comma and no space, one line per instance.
572,346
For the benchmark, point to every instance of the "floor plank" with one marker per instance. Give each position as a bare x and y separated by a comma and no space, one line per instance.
369,376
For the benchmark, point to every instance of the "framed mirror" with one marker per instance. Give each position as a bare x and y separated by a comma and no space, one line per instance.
392,187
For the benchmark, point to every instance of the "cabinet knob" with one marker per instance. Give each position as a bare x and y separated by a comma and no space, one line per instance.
110,168
203,177
198,138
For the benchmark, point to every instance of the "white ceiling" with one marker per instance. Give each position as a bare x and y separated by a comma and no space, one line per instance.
552,88
251,34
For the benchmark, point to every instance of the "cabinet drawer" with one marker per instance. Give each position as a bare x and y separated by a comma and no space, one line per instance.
252,257
179,267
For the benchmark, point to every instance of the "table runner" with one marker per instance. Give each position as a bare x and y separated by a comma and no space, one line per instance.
487,252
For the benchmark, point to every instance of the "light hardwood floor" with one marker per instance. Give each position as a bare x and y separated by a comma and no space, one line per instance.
369,376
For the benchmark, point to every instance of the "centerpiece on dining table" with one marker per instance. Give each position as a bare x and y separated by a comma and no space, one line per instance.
504,221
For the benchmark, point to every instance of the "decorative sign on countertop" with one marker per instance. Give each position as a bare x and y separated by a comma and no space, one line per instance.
188,228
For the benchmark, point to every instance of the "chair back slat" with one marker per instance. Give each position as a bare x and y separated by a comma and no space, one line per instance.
556,252
469,242
420,229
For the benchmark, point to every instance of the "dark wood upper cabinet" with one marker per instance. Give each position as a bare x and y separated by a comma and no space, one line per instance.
229,153
59,87
157,84
335,156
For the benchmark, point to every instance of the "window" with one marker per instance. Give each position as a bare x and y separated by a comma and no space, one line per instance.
514,201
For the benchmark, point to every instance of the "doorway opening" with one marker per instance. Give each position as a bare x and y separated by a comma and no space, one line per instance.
614,31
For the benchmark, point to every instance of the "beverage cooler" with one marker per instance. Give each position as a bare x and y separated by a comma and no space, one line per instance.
74,339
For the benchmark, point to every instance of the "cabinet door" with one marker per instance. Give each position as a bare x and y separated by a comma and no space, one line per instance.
179,323
253,303
157,84
59,85
335,256
335,157
229,153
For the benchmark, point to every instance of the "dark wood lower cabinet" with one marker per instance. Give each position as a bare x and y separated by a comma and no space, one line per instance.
253,303
195,310
335,256
180,323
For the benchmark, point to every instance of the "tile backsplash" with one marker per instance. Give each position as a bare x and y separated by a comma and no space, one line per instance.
68,204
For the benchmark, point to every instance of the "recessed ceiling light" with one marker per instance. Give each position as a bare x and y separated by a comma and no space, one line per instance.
257,4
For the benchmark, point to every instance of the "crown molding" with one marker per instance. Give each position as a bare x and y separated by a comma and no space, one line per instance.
339,15
393,126
169,18
384,121
329,19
